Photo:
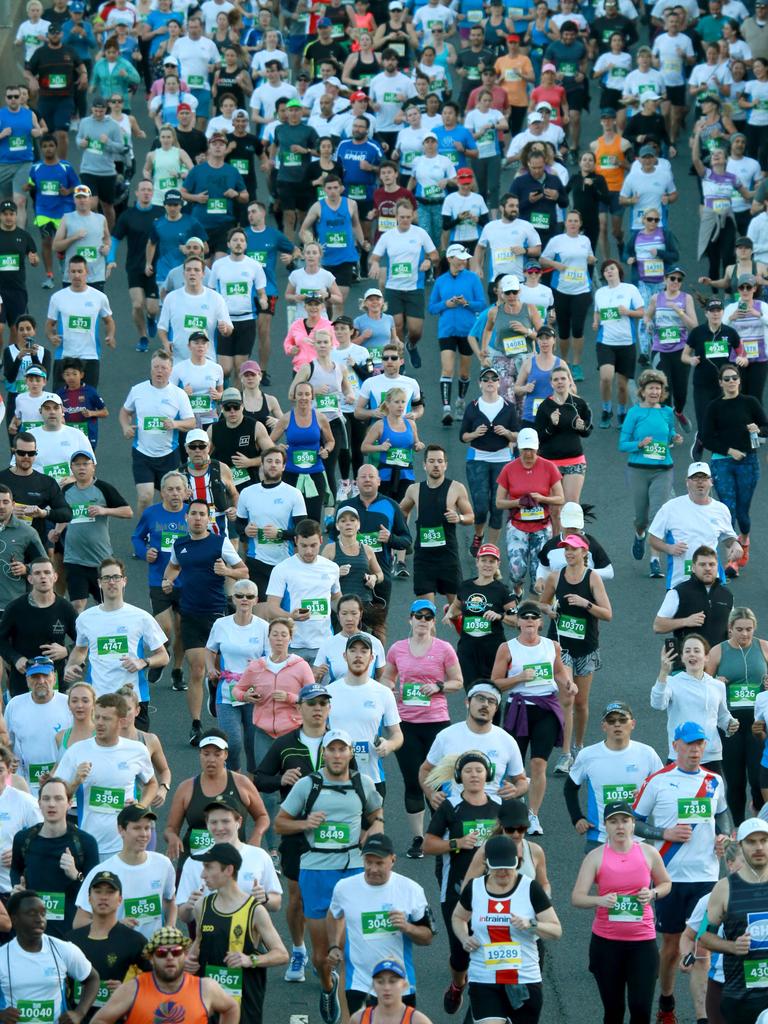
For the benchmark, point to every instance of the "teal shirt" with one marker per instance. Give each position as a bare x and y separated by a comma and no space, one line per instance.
640,423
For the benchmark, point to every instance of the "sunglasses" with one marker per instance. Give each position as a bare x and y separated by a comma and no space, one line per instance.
245,597
21,454
674,277
423,616
729,379
616,721
653,220
390,359
166,951
232,407
13,96
529,616
745,287
510,831
512,291
197,446
318,702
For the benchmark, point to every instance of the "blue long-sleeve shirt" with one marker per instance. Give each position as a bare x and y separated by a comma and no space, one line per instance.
158,529
640,423
457,321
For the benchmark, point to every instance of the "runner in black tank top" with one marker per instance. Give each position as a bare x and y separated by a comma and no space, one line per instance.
197,838
221,933
574,629
227,440
436,565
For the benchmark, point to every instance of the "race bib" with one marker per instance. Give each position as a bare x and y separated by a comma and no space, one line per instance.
626,908
567,69
263,539
237,288
609,314
431,536
327,402
413,697
375,923
371,539
89,253
106,799
57,81
35,1011
216,207
387,223
165,183
49,188
291,159
10,262
57,470
502,955
154,423
195,81
619,792
656,451
529,515
401,457
357,191
331,833
102,996
167,537
608,160
336,240
476,625
482,828
361,750
112,646
319,607
37,771
54,904
574,275
743,695
243,166
719,205
200,403
751,348
510,75
195,323
304,458
652,268
514,345
81,324
95,145
691,810
401,270
142,907
669,335
717,348
756,973
543,670
200,839
230,979
571,626
540,220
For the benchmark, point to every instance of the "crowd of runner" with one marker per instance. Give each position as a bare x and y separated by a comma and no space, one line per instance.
291,190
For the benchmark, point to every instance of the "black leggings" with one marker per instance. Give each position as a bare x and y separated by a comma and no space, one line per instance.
719,251
677,373
624,971
753,378
571,312
351,457
476,657
757,142
459,957
702,396
341,443
741,762
418,737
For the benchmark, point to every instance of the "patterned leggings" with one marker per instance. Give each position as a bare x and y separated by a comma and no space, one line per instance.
735,483
523,553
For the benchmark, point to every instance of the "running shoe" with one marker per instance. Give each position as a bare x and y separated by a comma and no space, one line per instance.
638,548
266,380
452,999
683,422
447,416
606,419
643,359
151,326
48,282
413,355
732,570
330,1010
177,680
564,764
194,735
655,569
400,572
154,674
666,1017
277,864
212,690
620,417
458,407
142,344
576,372
342,491
415,851
534,825
744,560
298,962
474,547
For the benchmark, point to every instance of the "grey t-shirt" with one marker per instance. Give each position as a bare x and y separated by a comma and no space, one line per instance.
93,225
87,541
99,156
341,828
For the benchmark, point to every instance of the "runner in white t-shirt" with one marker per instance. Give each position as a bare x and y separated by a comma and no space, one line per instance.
34,719
56,442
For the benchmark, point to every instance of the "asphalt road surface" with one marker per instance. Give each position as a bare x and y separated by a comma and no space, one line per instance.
629,648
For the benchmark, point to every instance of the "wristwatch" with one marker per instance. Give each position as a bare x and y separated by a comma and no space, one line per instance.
453,845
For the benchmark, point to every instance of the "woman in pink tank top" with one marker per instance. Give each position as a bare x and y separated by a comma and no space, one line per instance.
623,955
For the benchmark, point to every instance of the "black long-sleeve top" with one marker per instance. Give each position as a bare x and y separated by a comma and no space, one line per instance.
725,424
562,441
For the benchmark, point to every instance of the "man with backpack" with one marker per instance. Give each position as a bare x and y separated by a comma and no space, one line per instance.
336,809
53,857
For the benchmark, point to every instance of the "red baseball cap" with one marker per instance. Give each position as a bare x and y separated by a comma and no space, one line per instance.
513,38
358,96
183,106
489,549
464,172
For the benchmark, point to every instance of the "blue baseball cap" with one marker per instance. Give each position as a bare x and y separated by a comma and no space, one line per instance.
312,690
39,667
389,965
324,23
690,732
77,6
423,606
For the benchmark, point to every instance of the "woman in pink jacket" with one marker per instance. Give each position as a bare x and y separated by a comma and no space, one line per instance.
297,342
271,684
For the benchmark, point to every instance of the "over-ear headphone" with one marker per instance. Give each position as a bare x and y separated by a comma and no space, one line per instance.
468,758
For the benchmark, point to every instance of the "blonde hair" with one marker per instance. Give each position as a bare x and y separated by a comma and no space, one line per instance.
393,393
83,686
171,129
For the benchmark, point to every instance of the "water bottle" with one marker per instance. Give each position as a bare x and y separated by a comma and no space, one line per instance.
754,439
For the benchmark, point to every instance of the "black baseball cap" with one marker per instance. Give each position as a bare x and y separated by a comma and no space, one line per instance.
359,638
134,812
221,853
379,845
617,707
106,878
173,196
617,807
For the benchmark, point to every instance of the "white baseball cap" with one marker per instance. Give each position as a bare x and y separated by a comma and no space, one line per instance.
535,118
699,467
528,438
458,251
749,827
337,734
196,435
509,283
572,516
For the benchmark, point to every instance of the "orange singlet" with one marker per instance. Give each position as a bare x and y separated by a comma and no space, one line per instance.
609,159
151,1006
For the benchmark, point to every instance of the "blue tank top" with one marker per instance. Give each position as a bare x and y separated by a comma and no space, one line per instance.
543,381
303,447
202,591
16,148
400,455
334,232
